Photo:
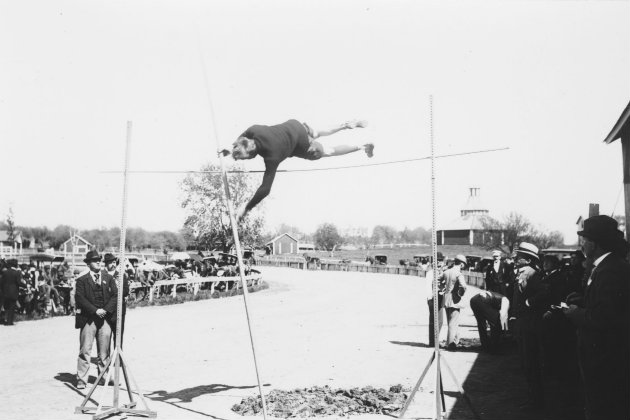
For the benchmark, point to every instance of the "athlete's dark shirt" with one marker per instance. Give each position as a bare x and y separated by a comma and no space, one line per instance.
274,144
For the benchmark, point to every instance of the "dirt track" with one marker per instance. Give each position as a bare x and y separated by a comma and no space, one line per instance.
194,360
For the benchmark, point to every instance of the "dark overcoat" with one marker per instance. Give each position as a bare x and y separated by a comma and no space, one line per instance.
496,281
604,339
10,284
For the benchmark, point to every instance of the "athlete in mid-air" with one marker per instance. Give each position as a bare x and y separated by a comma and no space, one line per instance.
275,143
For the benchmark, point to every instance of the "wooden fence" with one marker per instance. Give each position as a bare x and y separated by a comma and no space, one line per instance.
473,278
194,284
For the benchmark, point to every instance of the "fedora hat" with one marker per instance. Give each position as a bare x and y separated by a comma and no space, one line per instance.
91,256
528,249
603,230
109,258
460,258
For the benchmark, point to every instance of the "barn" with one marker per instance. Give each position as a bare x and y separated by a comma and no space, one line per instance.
283,244
75,245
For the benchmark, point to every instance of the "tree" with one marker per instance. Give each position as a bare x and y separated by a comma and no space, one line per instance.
545,240
514,229
384,234
291,230
60,234
417,235
207,222
327,237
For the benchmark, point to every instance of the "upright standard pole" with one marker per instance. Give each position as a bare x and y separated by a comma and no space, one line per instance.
440,404
237,243
117,356
436,309
121,268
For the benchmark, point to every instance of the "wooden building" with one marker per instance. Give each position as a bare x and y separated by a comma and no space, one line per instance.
468,228
75,245
621,130
10,247
283,244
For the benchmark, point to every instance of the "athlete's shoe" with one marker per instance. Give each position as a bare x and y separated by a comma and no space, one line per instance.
369,150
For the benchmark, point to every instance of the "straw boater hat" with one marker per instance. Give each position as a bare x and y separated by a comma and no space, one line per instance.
91,256
461,258
109,258
526,248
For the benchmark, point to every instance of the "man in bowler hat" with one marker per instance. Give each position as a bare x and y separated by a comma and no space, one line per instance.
96,297
603,322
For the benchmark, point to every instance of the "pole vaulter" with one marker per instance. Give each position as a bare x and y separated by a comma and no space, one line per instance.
290,139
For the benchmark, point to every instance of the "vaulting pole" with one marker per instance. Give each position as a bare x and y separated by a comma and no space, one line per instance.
237,242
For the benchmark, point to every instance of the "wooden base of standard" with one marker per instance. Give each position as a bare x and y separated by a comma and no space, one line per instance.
101,412
439,414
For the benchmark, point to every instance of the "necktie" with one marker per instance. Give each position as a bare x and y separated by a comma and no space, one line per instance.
97,279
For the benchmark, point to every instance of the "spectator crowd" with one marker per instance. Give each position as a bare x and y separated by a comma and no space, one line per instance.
569,320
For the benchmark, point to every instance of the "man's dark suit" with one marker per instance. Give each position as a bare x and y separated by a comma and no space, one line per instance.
84,297
496,280
604,340
93,327
10,284
531,300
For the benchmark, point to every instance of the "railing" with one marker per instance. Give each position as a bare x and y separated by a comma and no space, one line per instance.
194,284
473,278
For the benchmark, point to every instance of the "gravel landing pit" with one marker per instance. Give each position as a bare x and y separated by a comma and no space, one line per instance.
324,401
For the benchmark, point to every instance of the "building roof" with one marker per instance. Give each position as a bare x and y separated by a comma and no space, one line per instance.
280,236
80,239
466,222
474,203
4,236
622,128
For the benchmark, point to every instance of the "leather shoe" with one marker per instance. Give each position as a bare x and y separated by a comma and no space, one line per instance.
80,385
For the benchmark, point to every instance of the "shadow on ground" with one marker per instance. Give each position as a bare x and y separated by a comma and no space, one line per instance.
186,395
496,388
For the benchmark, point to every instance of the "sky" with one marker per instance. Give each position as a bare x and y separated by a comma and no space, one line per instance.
546,79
